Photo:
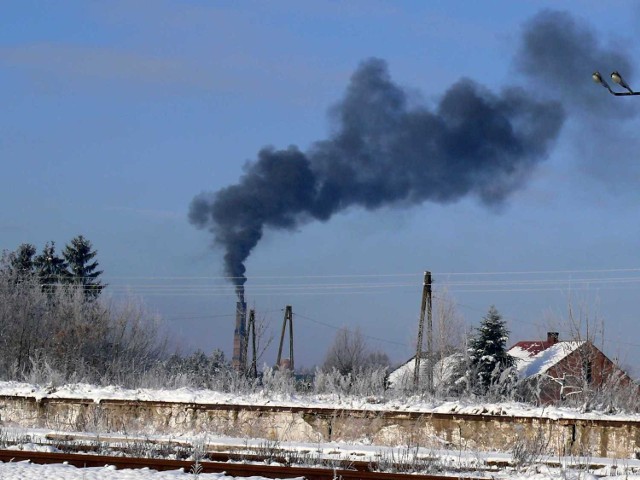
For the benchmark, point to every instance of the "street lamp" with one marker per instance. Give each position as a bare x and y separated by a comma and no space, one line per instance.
617,78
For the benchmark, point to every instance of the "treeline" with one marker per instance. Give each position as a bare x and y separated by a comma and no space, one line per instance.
56,327
53,320
76,266
476,363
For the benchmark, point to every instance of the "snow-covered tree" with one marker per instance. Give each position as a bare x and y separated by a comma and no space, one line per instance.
487,351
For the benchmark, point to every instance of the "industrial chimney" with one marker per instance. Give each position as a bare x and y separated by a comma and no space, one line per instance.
239,362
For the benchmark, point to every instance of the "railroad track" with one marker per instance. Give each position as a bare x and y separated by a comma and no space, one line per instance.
116,448
234,469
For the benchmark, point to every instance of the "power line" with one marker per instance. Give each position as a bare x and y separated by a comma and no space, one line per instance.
540,272
343,328
543,281
372,275
262,286
614,340
199,316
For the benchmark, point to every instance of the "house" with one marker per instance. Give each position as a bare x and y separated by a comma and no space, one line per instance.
552,370
548,370
445,372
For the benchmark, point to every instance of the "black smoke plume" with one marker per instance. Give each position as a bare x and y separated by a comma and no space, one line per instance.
384,152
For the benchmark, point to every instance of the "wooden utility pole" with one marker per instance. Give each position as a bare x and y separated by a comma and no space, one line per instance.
288,317
425,307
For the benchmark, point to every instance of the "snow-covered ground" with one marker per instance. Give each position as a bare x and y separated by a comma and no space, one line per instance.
190,395
29,471
610,468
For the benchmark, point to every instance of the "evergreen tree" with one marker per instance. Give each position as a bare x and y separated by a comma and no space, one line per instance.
22,261
487,350
51,269
82,268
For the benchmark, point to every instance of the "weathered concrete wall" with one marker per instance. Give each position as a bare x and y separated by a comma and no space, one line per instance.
615,439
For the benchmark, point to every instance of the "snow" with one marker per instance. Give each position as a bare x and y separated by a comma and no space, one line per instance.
27,471
528,365
415,403
404,371
537,363
443,371
519,353
30,471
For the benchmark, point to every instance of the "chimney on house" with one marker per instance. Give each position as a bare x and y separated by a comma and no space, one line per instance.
553,337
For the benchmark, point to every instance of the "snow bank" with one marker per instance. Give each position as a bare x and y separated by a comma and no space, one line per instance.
417,404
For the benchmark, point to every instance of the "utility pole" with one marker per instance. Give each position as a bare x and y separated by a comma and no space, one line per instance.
251,336
429,333
288,317
425,307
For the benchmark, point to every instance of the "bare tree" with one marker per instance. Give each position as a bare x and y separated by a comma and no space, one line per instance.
58,328
350,353
450,332
589,378
264,338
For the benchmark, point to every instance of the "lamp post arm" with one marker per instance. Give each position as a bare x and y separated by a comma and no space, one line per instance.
617,78
623,94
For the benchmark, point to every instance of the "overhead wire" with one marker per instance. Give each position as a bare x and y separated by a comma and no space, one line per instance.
610,340
449,283
387,284
404,274
187,287
366,289
259,288
343,328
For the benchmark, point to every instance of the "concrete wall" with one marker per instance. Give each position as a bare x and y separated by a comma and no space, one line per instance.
614,439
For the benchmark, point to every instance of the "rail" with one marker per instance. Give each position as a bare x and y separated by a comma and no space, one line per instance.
234,469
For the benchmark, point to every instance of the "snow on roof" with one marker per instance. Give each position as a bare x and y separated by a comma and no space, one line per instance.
528,365
443,370
519,353
532,358
534,347
403,371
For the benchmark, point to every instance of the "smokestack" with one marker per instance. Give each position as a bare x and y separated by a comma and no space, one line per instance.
384,151
239,362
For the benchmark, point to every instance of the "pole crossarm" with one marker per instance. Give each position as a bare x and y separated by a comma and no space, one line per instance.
288,318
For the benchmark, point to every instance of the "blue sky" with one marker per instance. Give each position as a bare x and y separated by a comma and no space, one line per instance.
116,114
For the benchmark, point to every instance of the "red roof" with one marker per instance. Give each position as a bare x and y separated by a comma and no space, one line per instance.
534,347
